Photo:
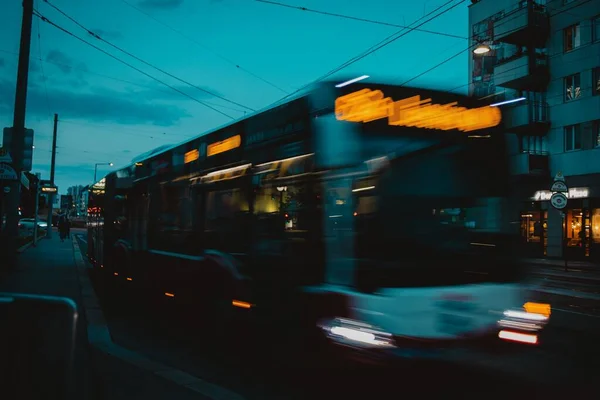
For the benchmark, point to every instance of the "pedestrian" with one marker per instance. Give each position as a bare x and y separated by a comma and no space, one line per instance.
63,227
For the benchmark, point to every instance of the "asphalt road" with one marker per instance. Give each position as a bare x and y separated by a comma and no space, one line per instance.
567,362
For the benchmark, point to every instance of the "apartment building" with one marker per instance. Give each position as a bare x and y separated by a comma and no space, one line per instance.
545,57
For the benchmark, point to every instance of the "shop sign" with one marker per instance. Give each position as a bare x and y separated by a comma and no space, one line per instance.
573,193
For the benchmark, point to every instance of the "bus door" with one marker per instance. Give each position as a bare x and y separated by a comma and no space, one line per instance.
338,224
140,214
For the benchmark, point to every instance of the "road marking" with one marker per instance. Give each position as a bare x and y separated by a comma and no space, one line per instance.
99,337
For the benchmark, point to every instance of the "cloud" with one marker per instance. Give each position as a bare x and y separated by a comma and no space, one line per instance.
109,106
161,4
63,62
126,151
108,34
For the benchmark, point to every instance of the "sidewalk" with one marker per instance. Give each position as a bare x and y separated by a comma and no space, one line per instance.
50,269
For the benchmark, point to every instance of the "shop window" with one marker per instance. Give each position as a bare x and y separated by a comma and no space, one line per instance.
571,38
572,87
534,226
575,228
572,137
595,225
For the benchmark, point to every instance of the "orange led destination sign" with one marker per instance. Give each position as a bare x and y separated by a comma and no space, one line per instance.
224,145
370,105
190,156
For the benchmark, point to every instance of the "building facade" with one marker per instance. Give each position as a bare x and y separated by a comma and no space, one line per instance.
545,57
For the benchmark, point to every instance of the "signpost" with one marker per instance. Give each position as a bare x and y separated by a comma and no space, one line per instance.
559,201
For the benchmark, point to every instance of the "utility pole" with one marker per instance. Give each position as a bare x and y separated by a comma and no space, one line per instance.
18,136
52,165
37,206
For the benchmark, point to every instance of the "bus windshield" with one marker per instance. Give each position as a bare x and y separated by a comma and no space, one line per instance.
438,217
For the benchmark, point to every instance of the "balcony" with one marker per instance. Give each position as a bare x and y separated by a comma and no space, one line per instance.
526,24
523,72
527,118
533,164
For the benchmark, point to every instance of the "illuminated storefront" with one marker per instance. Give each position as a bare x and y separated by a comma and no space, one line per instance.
544,233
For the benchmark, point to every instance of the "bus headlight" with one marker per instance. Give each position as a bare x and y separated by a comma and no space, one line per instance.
353,333
523,320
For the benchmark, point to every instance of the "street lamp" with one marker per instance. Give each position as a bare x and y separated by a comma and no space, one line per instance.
96,168
482,49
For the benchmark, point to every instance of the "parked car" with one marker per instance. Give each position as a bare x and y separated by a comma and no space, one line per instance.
28,223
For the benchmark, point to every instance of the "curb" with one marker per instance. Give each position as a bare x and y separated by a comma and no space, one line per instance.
28,245
98,335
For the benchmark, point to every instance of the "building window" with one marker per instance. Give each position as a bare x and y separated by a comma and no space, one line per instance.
596,81
571,38
572,137
596,132
572,87
596,29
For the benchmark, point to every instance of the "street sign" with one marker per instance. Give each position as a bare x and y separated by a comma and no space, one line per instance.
559,191
49,189
7,172
559,176
558,201
5,155
559,186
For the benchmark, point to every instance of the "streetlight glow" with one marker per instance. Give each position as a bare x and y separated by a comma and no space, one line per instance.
482,49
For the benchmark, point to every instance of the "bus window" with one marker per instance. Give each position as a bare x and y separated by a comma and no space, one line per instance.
225,220
287,224
440,215
173,223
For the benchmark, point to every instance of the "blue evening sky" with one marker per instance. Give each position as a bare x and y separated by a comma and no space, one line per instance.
110,112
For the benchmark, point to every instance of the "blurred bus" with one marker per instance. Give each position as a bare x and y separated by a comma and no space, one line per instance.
371,214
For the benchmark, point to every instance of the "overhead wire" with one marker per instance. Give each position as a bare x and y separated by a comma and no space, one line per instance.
236,65
385,42
96,36
358,19
474,45
44,19
87,71
148,134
